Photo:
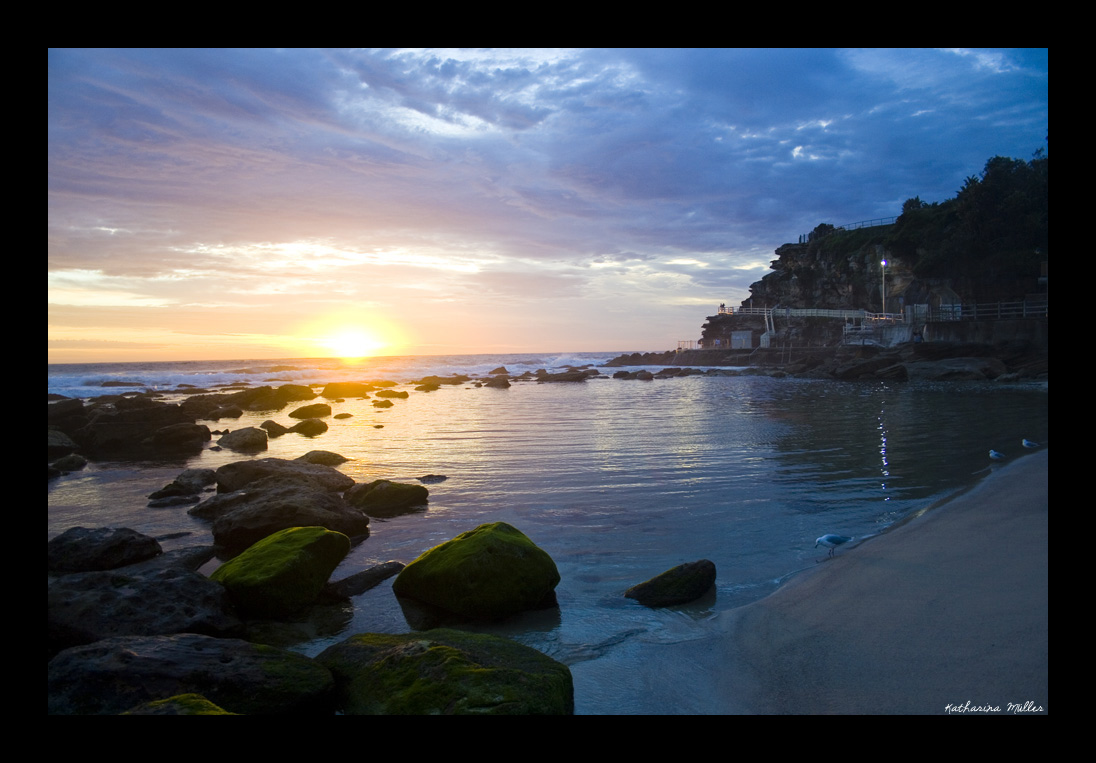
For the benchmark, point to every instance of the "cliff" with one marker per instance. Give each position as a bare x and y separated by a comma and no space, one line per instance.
990,243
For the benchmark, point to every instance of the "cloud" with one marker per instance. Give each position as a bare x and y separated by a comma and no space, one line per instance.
234,172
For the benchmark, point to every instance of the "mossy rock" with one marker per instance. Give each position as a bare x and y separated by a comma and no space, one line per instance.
446,672
679,585
283,572
492,571
180,704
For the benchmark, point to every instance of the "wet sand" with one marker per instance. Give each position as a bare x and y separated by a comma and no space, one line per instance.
951,609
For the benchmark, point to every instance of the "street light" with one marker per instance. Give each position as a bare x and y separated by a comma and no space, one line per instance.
883,273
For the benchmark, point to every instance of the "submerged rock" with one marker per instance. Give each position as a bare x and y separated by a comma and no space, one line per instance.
679,585
491,571
246,440
273,428
384,498
314,411
360,582
266,506
325,457
88,606
240,473
84,549
116,674
309,427
446,672
347,389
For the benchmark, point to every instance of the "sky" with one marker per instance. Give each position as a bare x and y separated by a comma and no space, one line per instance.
237,204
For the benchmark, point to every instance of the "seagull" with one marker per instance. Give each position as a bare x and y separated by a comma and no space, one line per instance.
1030,443
995,455
832,542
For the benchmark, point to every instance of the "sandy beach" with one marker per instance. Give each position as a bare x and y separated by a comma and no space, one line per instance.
948,613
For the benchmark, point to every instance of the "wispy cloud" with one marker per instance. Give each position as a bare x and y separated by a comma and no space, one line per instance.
249,178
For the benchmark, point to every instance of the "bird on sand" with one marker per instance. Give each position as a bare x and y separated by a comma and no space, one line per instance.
996,455
1030,443
832,542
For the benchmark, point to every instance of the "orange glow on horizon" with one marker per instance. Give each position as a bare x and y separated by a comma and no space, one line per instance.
349,335
352,343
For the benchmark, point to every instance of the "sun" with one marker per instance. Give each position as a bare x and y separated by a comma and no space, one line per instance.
352,343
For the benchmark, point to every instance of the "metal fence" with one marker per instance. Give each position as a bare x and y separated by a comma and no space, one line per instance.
989,311
982,311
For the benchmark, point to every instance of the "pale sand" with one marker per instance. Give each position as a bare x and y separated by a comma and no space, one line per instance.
949,609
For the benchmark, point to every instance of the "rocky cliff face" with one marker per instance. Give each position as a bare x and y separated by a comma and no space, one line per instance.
839,269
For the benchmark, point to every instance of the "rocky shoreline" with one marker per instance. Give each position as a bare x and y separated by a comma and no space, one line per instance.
935,361
115,598
131,629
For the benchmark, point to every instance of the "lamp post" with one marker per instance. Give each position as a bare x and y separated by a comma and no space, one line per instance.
883,275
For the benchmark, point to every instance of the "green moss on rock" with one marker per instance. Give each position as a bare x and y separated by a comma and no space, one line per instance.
679,585
446,672
283,572
491,571
180,704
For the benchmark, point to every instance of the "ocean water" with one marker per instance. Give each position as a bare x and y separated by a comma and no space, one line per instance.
618,480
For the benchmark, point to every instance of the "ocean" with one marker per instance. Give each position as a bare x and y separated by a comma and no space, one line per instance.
618,480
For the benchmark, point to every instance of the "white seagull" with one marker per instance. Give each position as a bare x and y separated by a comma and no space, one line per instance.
995,455
1030,443
832,542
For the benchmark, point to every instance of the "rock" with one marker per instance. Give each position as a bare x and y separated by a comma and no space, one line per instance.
275,503
679,585
73,462
563,376
500,370
246,440
309,427
325,457
238,474
400,395
178,438
293,392
314,411
65,408
83,549
190,482
180,704
432,479
439,380
130,428
88,606
347,389
383,498
360,582
273,428
428,388
497,382
446,672
491,571
956,369
116,674
283,572
344,415
59,444
225,412
382,403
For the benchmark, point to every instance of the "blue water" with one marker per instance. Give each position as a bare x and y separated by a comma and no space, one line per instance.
618,480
